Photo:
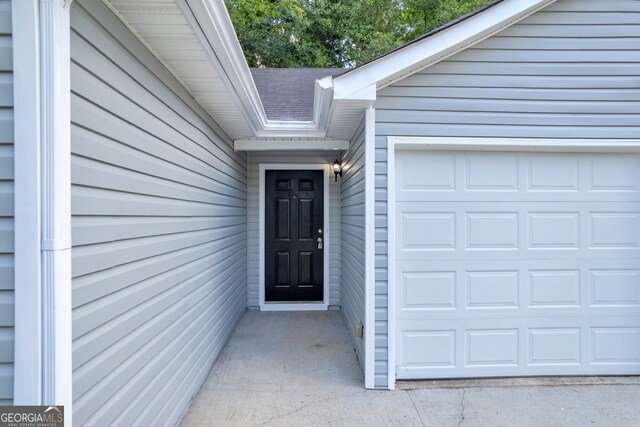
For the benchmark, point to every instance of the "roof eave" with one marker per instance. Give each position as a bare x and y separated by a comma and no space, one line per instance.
430,50
217,31
213,27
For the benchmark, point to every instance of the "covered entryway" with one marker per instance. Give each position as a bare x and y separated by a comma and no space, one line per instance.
516,263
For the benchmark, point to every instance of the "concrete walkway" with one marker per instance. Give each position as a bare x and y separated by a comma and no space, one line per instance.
299,369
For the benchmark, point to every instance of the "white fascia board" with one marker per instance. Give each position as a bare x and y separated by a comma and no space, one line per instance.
367,93
288,144
322,103
289,129
423,53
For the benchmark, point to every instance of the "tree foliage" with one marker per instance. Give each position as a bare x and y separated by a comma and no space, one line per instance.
334,33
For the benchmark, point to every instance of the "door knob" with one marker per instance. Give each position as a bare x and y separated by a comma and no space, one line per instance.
319,240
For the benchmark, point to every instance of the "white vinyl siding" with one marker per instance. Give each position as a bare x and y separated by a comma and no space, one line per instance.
253,165
158,230
7,318
568,71
352,217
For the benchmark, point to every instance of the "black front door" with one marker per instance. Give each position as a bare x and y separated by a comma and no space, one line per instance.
294,239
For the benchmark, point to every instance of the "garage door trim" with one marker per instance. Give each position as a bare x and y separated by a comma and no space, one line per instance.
395,143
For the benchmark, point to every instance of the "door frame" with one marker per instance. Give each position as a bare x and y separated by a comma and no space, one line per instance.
293,306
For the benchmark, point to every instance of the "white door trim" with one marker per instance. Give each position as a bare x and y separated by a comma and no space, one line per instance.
266,306
480,144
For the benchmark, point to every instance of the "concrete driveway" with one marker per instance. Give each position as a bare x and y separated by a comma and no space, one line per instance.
299,369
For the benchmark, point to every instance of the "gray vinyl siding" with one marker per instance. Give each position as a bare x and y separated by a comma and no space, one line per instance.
158,230
7,318
254,160
352,217
569,71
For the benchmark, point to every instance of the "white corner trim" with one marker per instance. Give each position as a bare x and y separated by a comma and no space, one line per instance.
287,144
391,267
56,202
370,247
27,388
265,306
430,50
516,144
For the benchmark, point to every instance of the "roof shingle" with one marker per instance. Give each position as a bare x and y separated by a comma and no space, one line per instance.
287,93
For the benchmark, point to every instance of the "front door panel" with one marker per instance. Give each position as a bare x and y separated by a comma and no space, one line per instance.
293,227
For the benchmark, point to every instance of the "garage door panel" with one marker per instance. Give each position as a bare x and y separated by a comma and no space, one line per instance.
627,323
439,228
520,264
554,346
509,254
613,173
537,196
550,287
614,288
488,172
454,176
477,314
615,230
498,347
615,345
511,264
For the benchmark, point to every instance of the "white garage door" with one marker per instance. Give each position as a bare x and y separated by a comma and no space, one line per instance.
511,264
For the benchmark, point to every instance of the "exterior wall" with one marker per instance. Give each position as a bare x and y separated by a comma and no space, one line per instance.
7,319
569,71
253,161
159,230
352,261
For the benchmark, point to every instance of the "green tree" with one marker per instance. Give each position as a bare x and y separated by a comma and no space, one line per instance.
334,33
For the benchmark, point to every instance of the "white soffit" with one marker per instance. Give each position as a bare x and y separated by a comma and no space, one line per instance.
163,28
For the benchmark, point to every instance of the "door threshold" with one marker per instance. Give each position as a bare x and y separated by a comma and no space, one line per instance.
294,306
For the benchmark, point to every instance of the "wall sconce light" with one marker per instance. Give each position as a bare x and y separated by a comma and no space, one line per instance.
337,169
